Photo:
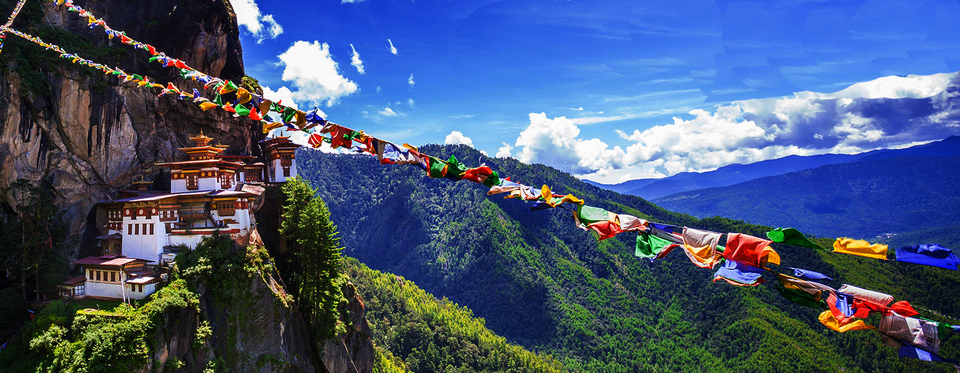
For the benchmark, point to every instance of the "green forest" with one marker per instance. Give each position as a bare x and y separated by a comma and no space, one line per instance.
542,283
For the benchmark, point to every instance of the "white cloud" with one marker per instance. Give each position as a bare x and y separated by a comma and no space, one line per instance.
261,26
410,80
412,103
462,116
504,151
457,137
751,130
577,109
312,70
392,48
387,112
910,86
356,61
379,89
484,152
281,94
351,1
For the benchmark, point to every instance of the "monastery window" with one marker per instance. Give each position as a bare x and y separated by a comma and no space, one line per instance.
151,229
98,275
136,229
192,183
90,274
144,229
168,228
129,229
140,288
226,208
113,276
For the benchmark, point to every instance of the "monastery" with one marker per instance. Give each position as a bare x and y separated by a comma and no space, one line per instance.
210,192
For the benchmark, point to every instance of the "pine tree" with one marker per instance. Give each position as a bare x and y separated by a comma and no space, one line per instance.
314,252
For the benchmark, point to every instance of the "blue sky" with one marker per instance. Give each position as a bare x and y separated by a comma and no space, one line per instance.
614,90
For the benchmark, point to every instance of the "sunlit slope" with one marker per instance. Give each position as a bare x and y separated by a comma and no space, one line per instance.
541,282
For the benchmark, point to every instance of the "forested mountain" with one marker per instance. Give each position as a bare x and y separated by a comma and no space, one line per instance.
737,173
539,281
862,199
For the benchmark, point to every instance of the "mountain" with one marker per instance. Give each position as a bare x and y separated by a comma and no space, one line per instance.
537,280
861,199
624,187
652,189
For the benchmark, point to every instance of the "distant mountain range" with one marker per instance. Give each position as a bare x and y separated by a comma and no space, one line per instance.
879,197
652,189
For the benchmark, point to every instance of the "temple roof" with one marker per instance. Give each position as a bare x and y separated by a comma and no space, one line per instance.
107,260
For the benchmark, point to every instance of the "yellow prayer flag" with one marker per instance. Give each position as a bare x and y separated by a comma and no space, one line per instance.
861,248
827,319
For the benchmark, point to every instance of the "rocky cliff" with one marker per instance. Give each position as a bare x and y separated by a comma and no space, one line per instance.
83,135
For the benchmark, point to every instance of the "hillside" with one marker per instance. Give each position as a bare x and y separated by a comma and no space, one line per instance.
653,189
862,199
548,286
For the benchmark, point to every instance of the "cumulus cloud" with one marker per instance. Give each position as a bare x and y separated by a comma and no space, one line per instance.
577,109
387,112
261,26
282,94
410,80
355,60
412,103
504,151
312,70
456,138
890,113
392,48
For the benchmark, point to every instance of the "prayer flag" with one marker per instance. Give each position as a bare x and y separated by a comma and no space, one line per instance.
739,274
791,236
928,254
650,246
809,275
750,250
701,247
827,319
861,248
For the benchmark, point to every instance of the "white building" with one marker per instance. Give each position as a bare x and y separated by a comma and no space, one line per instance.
210,192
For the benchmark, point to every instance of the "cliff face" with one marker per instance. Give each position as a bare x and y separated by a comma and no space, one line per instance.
84,140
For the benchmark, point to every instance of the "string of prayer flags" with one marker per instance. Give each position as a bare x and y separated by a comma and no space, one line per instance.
861,248
701,247
791,236
739,274
809,275
750,250
928,254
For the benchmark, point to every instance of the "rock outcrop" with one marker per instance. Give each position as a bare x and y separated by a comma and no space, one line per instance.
83,139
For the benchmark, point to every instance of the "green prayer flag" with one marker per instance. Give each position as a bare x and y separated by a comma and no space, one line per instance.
233,87
454,168
791,236
217,100
589,214
276,107
436,167
800,297
288,114
649,246
492,180
242,110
